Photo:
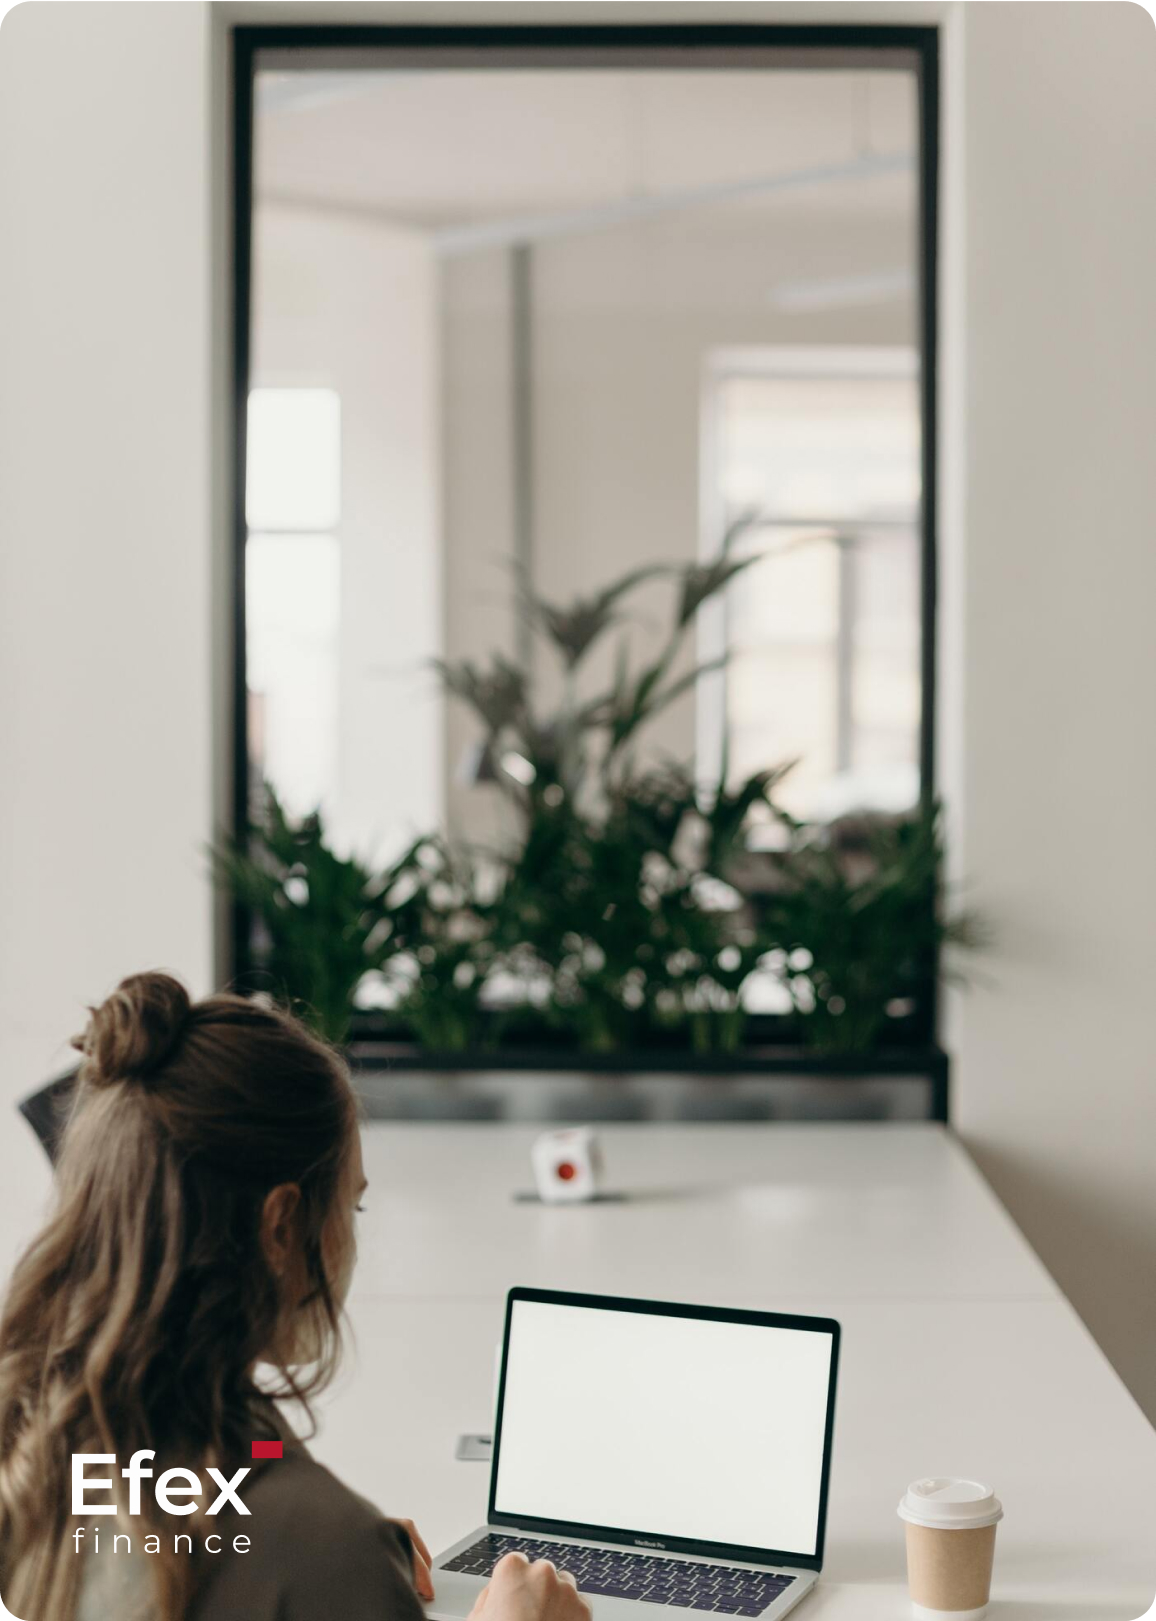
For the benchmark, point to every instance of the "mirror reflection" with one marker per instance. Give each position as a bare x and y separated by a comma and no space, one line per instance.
533,330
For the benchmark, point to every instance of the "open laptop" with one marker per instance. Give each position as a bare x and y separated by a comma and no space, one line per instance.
670,1457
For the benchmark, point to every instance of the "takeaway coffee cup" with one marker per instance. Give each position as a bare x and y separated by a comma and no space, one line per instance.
950,1546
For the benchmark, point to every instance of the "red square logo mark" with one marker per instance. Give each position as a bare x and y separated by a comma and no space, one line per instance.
267,1449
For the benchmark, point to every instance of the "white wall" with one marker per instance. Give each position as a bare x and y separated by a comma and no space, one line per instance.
108,769
106,567
105,528
352,305
478,531
1053,501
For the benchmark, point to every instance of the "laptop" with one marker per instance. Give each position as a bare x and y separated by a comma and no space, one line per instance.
668,1456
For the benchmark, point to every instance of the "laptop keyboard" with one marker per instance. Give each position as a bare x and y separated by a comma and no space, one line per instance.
723,1589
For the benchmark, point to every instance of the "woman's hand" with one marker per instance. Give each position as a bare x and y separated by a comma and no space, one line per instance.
422,1561
521,1591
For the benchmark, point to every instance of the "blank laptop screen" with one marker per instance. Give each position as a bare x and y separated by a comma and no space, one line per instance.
664,1426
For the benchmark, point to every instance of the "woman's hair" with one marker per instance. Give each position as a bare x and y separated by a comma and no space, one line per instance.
136,1319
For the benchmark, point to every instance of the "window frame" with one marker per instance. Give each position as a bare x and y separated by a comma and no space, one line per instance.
305,47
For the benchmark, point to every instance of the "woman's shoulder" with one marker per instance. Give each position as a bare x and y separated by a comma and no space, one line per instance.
295,1486
314,1548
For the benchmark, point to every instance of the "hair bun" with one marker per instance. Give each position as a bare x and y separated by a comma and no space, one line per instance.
135,1029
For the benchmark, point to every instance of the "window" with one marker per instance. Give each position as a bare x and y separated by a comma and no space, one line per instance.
293,589
811,460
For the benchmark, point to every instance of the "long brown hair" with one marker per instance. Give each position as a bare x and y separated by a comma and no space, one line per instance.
137,1318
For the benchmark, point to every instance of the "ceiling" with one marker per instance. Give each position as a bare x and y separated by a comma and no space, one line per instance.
454,150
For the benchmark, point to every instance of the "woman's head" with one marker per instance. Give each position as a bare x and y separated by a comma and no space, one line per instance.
211,1158
204,1224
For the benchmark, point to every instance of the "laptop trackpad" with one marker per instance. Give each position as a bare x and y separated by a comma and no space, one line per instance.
455,1597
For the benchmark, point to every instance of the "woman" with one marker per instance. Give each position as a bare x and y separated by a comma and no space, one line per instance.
191,1279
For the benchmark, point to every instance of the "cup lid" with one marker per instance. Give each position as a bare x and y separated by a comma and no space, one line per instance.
943,1503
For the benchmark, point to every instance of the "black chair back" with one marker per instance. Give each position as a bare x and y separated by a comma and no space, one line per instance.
47,1111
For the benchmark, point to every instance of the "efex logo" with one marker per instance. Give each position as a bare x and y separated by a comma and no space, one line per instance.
166,1487
177,1491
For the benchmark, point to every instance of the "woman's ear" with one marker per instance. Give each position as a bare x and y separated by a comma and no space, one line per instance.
279,1227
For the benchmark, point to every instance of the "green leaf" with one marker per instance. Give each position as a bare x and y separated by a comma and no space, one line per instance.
497,695
575,627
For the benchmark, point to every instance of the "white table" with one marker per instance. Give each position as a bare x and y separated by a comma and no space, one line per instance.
959,1353
732,1214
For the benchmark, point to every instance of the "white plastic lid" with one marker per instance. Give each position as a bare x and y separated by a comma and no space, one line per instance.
944,1504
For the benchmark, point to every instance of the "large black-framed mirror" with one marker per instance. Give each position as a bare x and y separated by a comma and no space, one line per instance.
522,312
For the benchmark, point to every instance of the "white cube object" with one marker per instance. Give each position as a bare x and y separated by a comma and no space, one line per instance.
567,1165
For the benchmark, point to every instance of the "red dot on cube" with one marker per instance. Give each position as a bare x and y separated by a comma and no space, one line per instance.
565,1172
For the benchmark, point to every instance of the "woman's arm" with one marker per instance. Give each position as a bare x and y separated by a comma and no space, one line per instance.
321,1553
316,1551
